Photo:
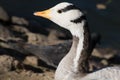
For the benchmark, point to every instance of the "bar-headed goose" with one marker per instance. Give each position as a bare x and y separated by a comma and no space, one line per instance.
74,65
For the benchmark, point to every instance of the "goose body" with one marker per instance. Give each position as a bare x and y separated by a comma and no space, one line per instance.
74,66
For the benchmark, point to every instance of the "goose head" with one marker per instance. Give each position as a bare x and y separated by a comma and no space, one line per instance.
65,15
70,17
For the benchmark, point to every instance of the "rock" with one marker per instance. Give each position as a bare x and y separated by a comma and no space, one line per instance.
106,53
96,53
19,21
54,34
105,62
32,38
101,6
53,37
5,34
3,15
27,75
32,60
5,63
20,29
36,38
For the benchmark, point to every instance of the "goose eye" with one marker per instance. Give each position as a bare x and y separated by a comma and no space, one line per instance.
59,11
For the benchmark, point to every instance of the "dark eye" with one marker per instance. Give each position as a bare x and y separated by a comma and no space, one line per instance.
59,11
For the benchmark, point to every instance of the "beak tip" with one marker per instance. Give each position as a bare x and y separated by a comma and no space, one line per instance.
44,14
34,13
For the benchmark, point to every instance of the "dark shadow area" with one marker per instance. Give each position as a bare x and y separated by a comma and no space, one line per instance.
42,63
115,60
17,55
27,67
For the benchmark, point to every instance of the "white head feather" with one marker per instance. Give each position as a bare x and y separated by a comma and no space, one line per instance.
63,19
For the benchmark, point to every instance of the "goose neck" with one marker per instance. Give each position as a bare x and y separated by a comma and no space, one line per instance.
82,51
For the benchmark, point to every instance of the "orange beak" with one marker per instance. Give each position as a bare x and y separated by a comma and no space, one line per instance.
44,14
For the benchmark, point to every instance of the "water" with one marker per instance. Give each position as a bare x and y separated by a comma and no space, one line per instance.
106,22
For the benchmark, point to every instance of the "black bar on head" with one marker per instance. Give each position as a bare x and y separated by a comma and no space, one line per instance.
70,7
79,20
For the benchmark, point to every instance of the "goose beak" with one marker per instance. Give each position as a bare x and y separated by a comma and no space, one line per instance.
44,14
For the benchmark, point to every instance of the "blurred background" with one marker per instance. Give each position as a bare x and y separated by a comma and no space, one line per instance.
31,47
103,15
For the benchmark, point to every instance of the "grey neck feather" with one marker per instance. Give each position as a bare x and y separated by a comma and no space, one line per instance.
85,53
